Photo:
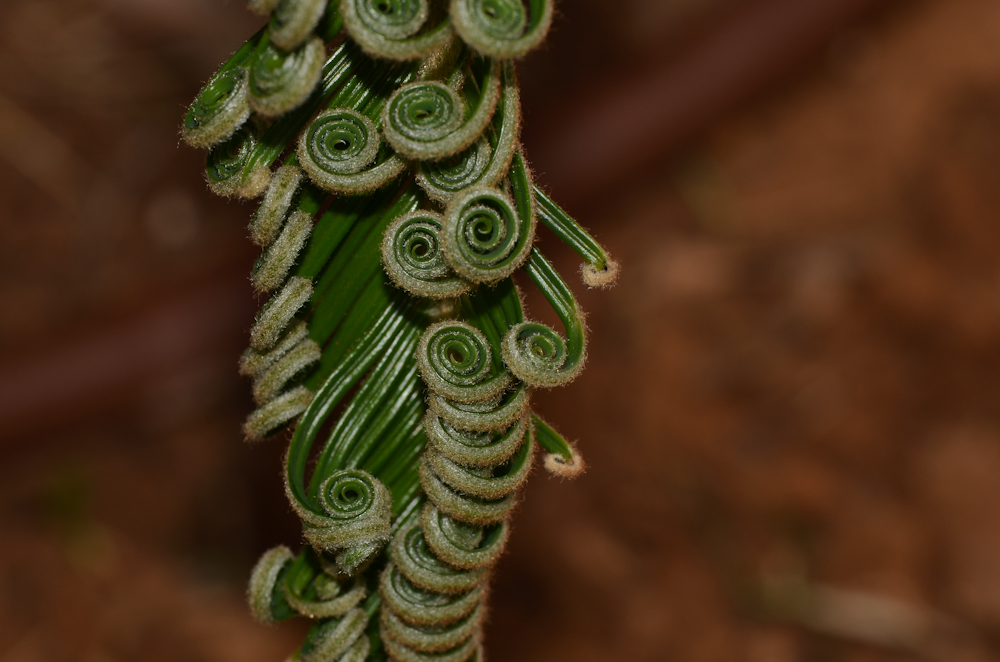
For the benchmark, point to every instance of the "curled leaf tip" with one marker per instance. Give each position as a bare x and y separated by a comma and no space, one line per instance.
414,261
601,278
293,20
394,29
266,420
225,168
278,258
483,236
267,220
280,81
557,465
278,312
455,361
330,639
219,109
502,28
355,522
264,588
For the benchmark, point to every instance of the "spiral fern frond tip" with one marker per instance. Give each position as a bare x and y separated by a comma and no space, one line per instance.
397,204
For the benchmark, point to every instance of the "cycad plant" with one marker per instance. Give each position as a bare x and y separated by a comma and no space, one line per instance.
393,333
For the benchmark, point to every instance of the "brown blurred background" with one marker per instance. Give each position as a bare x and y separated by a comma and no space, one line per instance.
790,413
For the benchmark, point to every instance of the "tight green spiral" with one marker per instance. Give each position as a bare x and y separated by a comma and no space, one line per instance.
265,592
461,653
356,516
224,167
339,141
412,257
455,362
482,484
419,565
474,449
536,353
460,543
330,639
270,215
337,150
484,239
220,108
429,638
501,28
459,505
494,414
280,80
427,120
293,20
394,29
421,607
325,606
443,179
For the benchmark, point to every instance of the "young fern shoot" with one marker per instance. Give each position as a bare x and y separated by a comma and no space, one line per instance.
396,205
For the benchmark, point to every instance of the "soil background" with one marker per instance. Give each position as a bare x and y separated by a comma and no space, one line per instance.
790,413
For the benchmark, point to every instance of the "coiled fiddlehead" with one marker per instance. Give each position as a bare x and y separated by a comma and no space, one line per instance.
356,518
293,20
474,449
421,607
455,362
484,238
430,639
331,639
282,80
338,149
494,414
225,167
267,220
478,483
393,346
501,28
220,108
427,120
411,254
536,353
393,29
265,593
418,564
278,258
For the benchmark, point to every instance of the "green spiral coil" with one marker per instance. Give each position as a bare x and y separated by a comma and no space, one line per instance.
220,108
421,607
412,257
430,638
280,80
474,449
427,120
462,544
424,570
501,28
355,520
337,150
536,353
484,238
455,362
481,484
225,167
292,21
496,413
394,29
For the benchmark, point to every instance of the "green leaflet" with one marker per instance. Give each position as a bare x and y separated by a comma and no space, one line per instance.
394,350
